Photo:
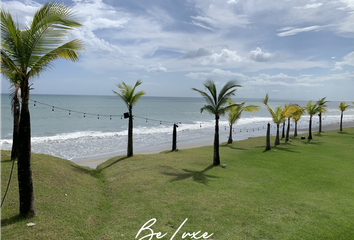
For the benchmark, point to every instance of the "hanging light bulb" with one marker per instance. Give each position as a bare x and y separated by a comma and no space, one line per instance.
53,109
98,116
84,114
69,112
34,104
146,120
110,117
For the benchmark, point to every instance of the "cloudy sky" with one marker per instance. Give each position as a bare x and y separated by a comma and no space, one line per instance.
292,49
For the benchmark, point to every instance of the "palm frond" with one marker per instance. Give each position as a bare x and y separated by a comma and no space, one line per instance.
206,96
343,106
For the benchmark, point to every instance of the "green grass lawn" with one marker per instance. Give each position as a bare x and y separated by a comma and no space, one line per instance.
299,190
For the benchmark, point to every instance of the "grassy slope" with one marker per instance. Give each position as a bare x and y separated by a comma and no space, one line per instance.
300,191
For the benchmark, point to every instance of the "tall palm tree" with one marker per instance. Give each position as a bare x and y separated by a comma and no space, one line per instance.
234,114
342,107
216,105
277,116
288,111
312,109
322,104
130,98
296,116
27,53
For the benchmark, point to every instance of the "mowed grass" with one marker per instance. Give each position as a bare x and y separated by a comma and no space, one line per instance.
298,190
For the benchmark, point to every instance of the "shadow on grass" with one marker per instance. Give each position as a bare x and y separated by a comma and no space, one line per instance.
233,147
197,176
112,163
6,161
280,148
8,221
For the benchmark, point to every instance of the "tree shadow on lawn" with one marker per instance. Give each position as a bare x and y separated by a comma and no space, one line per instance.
311,141
112,163
8,221
233,147
280,148
197,176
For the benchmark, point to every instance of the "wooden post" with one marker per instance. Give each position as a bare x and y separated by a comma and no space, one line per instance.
268,137
174,137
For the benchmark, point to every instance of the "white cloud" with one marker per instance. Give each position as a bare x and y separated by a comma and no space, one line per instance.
278,80
158,68
226,56
259,56
22,11
308,6
196,54
294,31
347,60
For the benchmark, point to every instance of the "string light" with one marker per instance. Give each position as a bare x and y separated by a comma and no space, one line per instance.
146,119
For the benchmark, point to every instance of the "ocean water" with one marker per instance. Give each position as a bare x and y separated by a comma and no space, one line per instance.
95,126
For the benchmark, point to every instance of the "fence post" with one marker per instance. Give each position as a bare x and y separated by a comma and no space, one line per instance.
174,137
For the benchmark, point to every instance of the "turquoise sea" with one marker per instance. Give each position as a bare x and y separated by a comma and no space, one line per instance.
79,127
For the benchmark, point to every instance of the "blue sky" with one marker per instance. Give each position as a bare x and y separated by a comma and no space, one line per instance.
301,49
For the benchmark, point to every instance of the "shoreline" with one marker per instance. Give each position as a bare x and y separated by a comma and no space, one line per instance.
95,161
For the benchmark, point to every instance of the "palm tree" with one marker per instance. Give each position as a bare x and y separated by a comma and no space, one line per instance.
312,109
128,96
27,53
322,104
342,107
277,116
296,118
234,114
216,105
288,111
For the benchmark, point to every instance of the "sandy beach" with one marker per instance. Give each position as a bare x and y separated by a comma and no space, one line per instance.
94,162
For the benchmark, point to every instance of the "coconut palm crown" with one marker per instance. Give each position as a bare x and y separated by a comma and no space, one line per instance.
217,105
234,114
27,53
130,98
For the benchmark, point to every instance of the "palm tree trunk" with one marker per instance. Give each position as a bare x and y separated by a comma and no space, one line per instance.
15,136
277,137
216,142
310,130
320,122
130,133
268,137
287,131
283,133
230,135
25,183
295,133
174,137
341,120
